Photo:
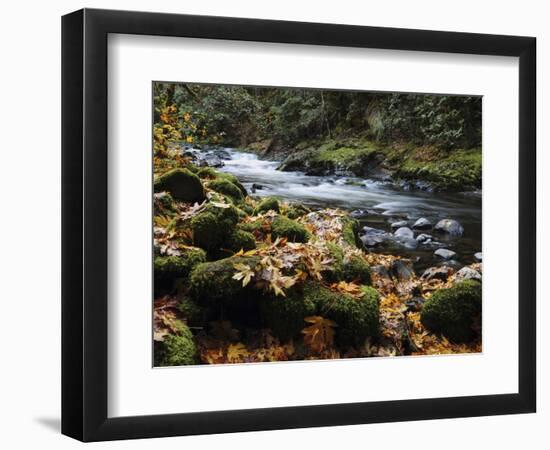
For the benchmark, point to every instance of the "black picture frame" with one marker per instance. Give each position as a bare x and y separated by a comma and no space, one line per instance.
84,224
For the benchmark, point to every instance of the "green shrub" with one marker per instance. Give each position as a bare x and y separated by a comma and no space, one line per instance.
182,184
452,311
177,349
227,188
268,204
284,227
357,318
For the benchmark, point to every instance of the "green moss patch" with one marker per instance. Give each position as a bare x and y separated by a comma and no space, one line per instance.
182,184
227,188
241,240
284,227
177,349
453,311
268,204
357,318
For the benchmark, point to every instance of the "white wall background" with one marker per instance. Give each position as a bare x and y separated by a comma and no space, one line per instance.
30,192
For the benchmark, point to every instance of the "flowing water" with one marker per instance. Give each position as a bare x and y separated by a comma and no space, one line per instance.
385,203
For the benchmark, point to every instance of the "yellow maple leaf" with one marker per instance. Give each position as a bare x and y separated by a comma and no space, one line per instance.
320,334
244,273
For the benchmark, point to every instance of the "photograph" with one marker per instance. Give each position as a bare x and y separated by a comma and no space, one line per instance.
298,224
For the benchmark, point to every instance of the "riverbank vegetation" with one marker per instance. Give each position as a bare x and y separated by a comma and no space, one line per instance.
423,141
241,279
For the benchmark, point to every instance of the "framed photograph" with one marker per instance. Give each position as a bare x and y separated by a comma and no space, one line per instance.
273,224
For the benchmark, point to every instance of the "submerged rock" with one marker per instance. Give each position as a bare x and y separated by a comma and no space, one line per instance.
450,227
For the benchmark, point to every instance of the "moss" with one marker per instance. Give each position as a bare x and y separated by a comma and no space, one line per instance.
296,210
284,227
227,188
206,233
455,170
268,204
233,179
213,227
208,173
357,318
164,204
285,315
247,208
358,270
337,265
191,311
212,283
177,349
350,231
241,240
178,266
453,311
182,184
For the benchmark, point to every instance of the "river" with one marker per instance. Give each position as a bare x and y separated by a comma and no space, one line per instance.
385,203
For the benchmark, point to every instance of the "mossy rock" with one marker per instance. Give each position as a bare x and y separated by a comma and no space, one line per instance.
337,265
349,269
178,266
213,227
296,211
182,184
208,173
350,232
247,209
357,318
177,349
192,312
285,315
164,204
268,204
212,283
233,179
358,270
241,240
283,227
227,188
453,311
167,269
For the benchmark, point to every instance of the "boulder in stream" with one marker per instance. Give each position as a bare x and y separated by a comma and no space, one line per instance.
422,224
444,253
450,227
